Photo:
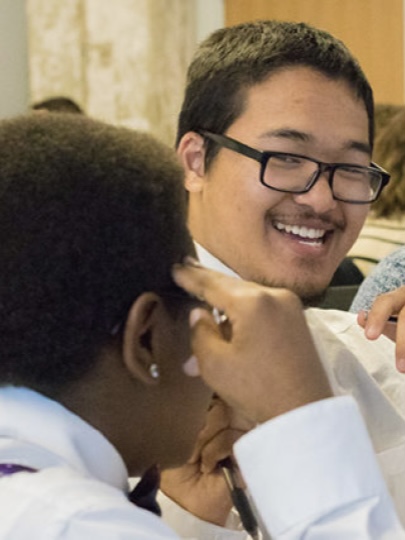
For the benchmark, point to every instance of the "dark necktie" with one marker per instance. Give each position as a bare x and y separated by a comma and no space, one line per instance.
144,493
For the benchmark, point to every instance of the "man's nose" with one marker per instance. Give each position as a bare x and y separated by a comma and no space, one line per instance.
320,196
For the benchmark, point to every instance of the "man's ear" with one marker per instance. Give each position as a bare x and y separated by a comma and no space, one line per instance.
141,327
192,154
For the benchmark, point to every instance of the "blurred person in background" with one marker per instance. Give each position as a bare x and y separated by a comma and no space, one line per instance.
384,229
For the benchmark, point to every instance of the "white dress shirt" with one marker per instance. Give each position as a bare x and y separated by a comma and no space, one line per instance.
80,490
301,486
356,366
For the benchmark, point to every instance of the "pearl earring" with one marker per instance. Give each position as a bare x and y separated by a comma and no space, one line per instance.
154,371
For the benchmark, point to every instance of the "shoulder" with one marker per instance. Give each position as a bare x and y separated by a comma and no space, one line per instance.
67,505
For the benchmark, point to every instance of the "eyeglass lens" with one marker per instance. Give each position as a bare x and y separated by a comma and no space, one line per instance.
292,173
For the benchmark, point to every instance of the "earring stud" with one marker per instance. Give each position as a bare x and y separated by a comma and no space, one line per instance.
154,371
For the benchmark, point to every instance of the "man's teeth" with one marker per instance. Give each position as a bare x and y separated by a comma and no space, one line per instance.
303,232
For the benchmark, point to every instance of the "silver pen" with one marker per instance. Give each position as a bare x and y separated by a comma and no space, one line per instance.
239,499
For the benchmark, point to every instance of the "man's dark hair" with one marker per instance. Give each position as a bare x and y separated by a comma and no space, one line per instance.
233,59
60,104
91,216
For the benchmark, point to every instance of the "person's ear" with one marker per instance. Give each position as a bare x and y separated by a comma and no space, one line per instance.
141,329
192,155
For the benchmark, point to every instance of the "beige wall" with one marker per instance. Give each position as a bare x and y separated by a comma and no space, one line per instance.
124,61
372,29
13,58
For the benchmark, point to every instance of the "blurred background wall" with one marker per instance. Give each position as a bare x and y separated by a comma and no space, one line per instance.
372,29
14,90
124,61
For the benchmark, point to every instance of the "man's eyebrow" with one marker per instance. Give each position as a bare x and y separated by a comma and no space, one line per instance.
359,146
287,133
301,136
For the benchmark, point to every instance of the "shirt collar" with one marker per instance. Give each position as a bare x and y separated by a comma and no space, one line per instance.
339,321
42,432
208,260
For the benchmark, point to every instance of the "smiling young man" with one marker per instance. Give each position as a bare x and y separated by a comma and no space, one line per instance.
275,135
271,236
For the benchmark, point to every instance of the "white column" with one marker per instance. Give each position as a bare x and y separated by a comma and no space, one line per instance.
13,58
210,15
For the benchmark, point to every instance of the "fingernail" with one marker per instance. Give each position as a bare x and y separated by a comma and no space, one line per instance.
365,314
190,367
191,261
401,365
195,316
187,261
372,333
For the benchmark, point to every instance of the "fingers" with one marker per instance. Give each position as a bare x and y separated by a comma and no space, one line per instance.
400,342
218,448
208,330
375,322
261,366
217,289
199,281
208,343
216,421
384,306
220,419
362,318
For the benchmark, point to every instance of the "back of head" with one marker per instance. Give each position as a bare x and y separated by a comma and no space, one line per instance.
90,216
389,152
59,104
233,59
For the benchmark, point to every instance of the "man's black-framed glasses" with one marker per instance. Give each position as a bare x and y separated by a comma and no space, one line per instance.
295,173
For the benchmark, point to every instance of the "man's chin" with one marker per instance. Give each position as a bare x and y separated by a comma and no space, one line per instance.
311,295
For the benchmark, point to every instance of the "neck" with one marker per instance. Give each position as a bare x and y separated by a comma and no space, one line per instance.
111,402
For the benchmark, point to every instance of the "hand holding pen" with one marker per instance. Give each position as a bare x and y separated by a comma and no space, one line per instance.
199,486
268,351
260,360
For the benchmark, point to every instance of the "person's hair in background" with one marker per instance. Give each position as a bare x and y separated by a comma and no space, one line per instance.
76,205
232,60
384,229
383,114
58,104
389,152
